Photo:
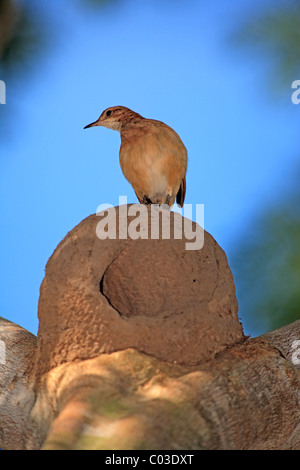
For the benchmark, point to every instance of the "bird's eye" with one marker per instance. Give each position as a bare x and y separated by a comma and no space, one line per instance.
108,113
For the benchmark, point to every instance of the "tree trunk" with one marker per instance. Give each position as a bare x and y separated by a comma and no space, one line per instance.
173,371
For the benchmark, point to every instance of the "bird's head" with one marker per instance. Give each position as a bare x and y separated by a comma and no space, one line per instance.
114,118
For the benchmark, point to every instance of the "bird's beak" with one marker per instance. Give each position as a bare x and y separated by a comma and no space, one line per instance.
93,124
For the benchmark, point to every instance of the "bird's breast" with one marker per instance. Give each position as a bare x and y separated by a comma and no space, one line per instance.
153,157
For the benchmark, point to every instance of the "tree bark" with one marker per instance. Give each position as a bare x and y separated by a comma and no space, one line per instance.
245,398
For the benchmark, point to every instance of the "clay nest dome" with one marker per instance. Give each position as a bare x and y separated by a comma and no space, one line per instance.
156,295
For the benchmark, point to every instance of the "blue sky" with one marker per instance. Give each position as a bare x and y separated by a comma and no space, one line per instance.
170,61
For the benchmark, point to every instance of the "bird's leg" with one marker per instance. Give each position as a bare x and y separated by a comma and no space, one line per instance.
168,199
146,200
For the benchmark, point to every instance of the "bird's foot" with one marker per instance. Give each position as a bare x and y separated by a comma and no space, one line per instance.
168,199
146,200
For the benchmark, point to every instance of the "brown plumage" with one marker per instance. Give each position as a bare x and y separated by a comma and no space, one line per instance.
152,156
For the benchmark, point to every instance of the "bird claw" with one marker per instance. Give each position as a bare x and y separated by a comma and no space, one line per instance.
168,199
146,200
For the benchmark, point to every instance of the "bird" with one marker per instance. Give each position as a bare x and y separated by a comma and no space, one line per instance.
152,156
